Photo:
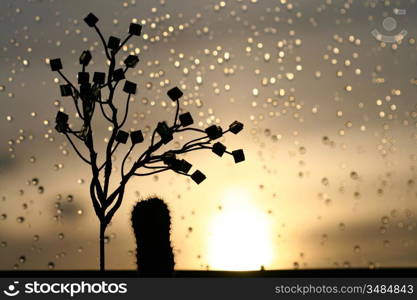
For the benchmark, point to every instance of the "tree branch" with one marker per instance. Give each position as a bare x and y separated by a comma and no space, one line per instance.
195,140
67,81
152,173
76,106
182,173
190,129
103,41
112,152
109,150
104,113
73,97
116,206
176,112
124,42
76,150
75,133
155,167
126,112
96,205
124,160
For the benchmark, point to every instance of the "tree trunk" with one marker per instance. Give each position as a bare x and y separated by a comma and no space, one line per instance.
102,256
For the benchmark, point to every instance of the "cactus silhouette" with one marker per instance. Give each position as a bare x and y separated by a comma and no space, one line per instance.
151,224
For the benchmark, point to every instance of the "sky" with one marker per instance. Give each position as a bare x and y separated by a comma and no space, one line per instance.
329,138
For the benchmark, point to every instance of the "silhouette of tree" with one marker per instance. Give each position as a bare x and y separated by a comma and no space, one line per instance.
88,95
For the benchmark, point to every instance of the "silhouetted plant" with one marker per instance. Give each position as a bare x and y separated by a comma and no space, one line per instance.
151,224
101,92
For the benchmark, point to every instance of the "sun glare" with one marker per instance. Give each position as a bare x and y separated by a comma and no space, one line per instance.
240,237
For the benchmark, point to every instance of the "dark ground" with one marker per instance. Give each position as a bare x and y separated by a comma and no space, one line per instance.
318,273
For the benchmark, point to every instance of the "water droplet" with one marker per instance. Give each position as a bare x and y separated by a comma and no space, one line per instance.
382,229
296,265
354,175
41,189
400,224
346,264
385,220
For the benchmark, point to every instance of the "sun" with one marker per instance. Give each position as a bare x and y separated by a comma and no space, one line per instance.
240,235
